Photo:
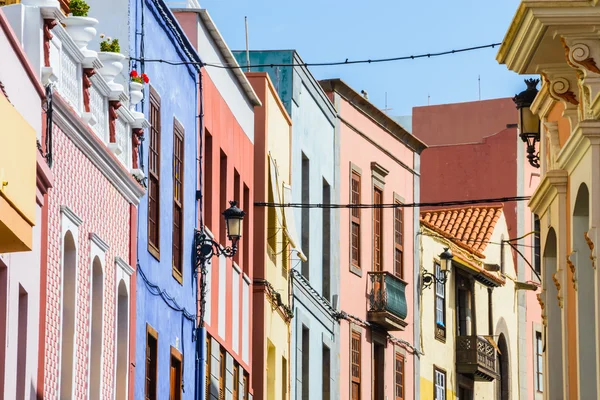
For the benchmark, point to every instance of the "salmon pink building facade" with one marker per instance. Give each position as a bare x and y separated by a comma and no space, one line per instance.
379,164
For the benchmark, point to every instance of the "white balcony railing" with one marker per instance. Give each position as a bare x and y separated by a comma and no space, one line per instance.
99,111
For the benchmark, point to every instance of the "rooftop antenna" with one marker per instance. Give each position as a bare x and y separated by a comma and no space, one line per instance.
247,48
386,109
428,98
479,82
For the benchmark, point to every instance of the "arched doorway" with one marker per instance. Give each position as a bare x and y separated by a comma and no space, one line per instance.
97,330
122,340
69,288
503,369
586,314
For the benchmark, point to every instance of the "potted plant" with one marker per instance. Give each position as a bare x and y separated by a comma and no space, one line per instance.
136,87
81,27
112,61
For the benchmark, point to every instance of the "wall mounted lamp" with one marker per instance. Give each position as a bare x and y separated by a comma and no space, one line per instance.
529,123
206,247
445,264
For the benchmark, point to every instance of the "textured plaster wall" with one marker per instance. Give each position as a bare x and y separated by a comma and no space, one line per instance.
176,86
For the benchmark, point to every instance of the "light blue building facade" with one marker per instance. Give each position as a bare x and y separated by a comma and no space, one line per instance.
315,173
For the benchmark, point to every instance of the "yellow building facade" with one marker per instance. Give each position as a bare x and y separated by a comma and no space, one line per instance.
559,41
275,243
17,179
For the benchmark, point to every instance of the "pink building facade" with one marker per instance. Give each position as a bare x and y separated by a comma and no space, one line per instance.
474,152
379,163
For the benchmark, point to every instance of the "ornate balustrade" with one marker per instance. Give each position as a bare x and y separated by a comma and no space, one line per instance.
476,357
387,300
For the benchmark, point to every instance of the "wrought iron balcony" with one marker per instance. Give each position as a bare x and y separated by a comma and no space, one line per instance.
387,301
476,357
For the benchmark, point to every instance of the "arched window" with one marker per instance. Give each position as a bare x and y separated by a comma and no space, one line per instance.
122,340
503,369
97,319
68,316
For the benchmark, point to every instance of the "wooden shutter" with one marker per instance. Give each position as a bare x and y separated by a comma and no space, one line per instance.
399,242
399,377
246,388
355,223
154,175
355,364
236,380
178,168
208,358
222,371
377,230
151,362
176,374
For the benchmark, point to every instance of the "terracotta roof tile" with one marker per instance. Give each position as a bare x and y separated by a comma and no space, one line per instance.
472,226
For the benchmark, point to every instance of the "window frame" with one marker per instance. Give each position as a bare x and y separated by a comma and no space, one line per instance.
399,357
176,355
441,372
151,333
236,380
355,221
439,293
222,373
399,239
246,379
208,365
537,255
539,362
154,149
356,380
377,230
178,201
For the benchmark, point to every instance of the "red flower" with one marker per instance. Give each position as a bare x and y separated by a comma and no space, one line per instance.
133,74
145,78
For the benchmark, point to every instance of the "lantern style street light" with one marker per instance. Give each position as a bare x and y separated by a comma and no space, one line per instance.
234,223
445,266
529,123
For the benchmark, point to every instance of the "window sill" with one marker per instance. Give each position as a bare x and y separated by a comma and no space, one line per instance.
356,270
440,333
154,251
178,276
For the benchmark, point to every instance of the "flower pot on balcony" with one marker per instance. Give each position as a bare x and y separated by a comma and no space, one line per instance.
136,94
82,30
113,65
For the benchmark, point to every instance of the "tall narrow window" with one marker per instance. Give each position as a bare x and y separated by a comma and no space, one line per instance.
284,379
246,238
440,303
539,362
207,194
236,197
377,229
122,341
68,316
176,374
399,241
378,370
22,343
399,377
355,224
305,363
355,365
439,379
178,135
305,214
222,372
154,175
207,374
325,253
236,380
97,329
223,205
246,386
151,362
326,374
537,265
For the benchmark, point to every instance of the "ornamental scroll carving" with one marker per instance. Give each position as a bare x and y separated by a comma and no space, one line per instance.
48,25
113,106
136,139
590,244
558,295
571,260
87,84
542,306
553,144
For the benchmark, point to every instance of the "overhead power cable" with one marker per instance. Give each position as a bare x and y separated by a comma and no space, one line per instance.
347,61
396,205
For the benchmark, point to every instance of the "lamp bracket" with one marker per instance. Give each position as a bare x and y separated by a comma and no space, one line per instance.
206,248
429,278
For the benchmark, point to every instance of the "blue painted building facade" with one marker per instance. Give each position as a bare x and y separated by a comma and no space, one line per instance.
165,299
314,343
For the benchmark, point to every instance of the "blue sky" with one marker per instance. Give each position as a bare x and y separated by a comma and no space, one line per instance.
333,30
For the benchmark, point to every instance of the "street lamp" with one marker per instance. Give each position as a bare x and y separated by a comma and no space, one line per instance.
529,123
206,247
445,265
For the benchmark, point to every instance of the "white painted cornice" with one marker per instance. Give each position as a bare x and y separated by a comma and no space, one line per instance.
99,242
124,266
74,218
97,152
552,184
67,43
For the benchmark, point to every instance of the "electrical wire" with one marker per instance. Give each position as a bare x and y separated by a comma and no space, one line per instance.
396,205
330,63
524,258
474,241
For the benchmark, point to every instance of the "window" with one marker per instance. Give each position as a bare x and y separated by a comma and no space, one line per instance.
207,194
399,376
536,247
236,380
178,201
246,389
176,374
377,230
355,365
326,374
246,238
539,362
284,378
154,176
440,303
355,224
305,363
326,242
208,358
236,197
223,205
222,372
439,380
305,214
151,362
399,241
